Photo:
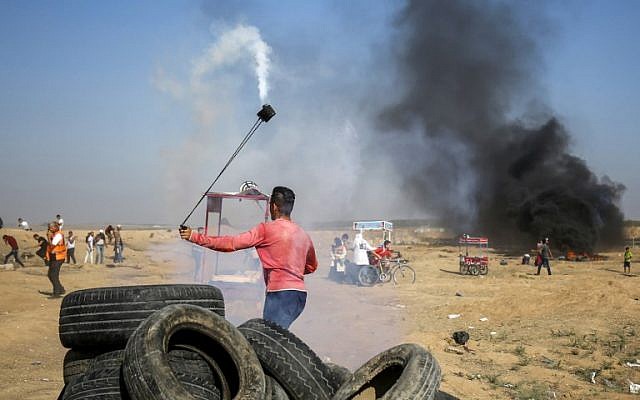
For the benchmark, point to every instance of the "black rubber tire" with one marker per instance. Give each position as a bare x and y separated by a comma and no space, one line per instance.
274,391
483,269
75,363
404,274
288,360
103,378
367,275
473,270
104,318
146,369
338,375
210,369
404,372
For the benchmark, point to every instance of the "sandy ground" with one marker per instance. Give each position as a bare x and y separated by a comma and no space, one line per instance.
543,338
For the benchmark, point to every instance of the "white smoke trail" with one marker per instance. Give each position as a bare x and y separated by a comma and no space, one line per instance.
231,47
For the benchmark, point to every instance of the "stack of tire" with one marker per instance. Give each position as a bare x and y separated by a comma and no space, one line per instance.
172,342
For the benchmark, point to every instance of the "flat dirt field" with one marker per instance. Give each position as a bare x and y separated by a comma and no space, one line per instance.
565,336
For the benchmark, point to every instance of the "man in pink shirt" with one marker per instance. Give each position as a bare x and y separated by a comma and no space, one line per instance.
286,253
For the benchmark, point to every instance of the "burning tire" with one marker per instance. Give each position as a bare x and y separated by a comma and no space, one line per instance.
405,372
289,361
146,370
104,318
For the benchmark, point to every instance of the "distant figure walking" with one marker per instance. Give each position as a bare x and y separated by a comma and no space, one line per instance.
90,247
100,241
71,248
56,254
42,247
13,243
118,245
627,260
23,224
60,221
545,253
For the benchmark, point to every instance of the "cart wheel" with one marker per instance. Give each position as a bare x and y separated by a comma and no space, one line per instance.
464,269
483,269
403,275
473,269
367,275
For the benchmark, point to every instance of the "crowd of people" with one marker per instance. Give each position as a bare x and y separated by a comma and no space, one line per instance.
57,247
364,254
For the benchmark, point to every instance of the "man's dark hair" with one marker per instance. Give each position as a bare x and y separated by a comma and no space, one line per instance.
387,242
284,198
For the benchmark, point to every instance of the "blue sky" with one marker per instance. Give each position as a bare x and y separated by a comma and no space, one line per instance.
86,132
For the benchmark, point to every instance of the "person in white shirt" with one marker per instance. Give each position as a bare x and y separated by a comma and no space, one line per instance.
100,241
71,248
89,241
361,249
60,221
23,224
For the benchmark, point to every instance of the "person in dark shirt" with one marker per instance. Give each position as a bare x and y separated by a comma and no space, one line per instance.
42,244
545,253
109,231
13,243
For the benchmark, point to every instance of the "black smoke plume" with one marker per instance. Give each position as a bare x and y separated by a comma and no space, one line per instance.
465,68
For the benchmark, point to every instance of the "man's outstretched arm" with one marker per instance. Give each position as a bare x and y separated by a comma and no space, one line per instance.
226,243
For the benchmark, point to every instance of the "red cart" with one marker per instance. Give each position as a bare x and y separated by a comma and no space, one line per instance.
476,263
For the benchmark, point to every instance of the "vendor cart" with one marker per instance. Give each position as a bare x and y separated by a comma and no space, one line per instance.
473,255
238,274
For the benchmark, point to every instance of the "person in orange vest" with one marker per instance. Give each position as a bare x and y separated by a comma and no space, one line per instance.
56,255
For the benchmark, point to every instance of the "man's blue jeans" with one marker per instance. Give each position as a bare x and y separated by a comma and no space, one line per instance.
118,258
99,253
284,307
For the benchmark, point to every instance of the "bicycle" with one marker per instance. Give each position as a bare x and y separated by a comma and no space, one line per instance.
396,269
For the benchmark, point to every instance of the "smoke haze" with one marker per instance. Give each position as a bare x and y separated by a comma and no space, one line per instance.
466,68
446,119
